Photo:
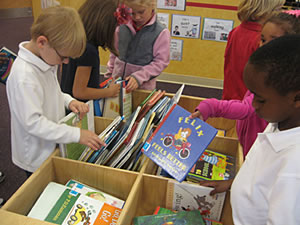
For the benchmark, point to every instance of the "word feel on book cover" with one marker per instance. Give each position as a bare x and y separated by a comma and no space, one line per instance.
178,142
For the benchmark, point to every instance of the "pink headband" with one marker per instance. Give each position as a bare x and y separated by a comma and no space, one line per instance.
123,14
293,12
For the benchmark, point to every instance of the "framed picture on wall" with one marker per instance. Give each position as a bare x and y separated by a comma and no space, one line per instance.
163,18
216,29
176,47
185,26
171,4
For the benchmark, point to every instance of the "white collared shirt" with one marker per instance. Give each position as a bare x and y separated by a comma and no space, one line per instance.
266,190
36,105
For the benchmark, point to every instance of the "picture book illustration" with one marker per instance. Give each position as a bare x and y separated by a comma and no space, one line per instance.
213,166
186,197
178,142
180,218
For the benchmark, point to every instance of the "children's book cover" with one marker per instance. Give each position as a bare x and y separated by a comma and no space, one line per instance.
6,66
60,205
213,166
94,193
186,196
180,218
178,142
75,208
161,210
74,150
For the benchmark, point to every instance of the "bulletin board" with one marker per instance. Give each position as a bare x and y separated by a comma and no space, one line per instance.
200,57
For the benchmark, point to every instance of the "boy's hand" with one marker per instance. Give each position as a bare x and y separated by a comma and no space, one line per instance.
132,84
113,89
218,185
196,114
90,139
79,107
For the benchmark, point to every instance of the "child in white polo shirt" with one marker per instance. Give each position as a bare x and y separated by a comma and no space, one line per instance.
266,189
34,95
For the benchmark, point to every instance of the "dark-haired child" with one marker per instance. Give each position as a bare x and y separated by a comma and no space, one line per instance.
248,122
266,189
81,76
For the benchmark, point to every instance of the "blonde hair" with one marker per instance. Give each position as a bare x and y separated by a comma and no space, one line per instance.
63,28
143,3
253,10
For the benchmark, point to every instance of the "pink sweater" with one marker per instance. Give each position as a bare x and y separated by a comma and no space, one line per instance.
248,123
145,75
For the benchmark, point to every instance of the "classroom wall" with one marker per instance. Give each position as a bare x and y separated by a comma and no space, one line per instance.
7,4
200,58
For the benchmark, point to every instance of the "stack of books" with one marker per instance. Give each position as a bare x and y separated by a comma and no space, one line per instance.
125,138
76,203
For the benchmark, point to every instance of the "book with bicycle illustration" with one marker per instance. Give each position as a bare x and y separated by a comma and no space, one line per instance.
178,142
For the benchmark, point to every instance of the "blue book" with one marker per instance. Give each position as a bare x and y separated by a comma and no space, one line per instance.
7,64
178,142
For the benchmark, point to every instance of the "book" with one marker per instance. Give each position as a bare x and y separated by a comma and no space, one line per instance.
74,150
98,106
94,193
178,142
221,133
188,196
182,218
7,64
161,210
120,105
61,205
213,166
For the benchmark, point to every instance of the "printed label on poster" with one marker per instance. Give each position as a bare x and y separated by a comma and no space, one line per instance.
186,26
176,50
216,29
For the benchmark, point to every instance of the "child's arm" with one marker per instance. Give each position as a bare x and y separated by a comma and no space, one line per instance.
230,109
161,53
218,185
82,91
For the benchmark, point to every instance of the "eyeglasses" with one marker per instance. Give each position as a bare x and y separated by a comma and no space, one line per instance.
62,58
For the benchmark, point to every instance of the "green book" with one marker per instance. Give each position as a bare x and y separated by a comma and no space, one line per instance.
180,218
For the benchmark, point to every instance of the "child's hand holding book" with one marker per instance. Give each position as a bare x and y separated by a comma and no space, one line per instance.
113,89
196,114
218,185
79,107
90,139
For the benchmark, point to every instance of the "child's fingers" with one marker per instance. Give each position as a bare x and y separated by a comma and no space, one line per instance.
96,143
195,115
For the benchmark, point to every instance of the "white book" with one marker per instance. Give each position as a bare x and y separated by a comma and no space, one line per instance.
62,205
188,196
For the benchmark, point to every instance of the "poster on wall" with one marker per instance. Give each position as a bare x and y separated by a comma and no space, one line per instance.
49,3
176,47
216,29
185,26
163,18
171,4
